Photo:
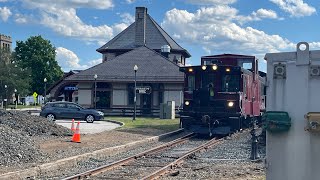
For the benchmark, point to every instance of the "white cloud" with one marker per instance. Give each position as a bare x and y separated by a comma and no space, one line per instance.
296,8
61,17
211,2
264,13
96,4
258,16
130,1
68,60
21,19
215,29
127,18
5,13
314,45
67,23
3,0
94,62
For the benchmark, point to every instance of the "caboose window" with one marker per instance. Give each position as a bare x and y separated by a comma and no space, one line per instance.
230,83
245,63
206,79
191,83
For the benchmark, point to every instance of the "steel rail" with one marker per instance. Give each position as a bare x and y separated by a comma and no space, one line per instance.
173,164
113,165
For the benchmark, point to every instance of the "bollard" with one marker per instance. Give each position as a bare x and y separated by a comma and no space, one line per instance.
254,143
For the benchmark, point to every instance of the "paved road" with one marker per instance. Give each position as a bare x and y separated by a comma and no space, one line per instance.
89,128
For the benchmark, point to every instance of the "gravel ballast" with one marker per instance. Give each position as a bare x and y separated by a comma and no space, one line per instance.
32,125
17,130
226,161
17,148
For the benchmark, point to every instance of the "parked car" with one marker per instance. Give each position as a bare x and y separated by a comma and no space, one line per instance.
69,110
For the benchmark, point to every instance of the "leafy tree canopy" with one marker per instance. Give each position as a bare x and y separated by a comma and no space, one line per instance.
12,76
37,56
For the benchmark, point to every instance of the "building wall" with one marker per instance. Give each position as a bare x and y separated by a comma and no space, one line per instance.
178,56
85,94
173,92
119,94
108,56
5,42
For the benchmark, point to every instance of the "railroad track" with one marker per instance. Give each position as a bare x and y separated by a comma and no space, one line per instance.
152,163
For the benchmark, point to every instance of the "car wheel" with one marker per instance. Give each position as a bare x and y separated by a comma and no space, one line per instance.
89,118
50,117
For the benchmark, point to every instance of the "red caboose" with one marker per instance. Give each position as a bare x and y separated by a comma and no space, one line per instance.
223,94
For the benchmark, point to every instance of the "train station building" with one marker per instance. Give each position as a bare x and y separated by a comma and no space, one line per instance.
144,44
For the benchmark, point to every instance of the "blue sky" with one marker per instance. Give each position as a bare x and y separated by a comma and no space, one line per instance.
204,27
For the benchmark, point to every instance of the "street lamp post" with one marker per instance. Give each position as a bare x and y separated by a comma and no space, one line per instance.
6,98
45,89
95,90
135,68
16,99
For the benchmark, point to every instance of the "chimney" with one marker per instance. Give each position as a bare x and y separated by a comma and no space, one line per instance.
165,51
141,16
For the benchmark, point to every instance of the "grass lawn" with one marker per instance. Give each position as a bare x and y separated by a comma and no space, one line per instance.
142,122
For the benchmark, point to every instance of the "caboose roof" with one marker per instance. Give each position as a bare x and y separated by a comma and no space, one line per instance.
228,55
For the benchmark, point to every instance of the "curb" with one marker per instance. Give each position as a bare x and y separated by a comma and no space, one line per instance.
116,122
67,162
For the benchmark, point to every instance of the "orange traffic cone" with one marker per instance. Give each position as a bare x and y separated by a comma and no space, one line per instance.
72,126
76,135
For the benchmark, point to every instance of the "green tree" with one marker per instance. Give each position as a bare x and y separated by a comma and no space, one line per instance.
12,76
37,56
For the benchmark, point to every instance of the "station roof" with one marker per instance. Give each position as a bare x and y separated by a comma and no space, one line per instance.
152,67
155,38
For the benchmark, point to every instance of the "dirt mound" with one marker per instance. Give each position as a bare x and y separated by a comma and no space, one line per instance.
32,125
